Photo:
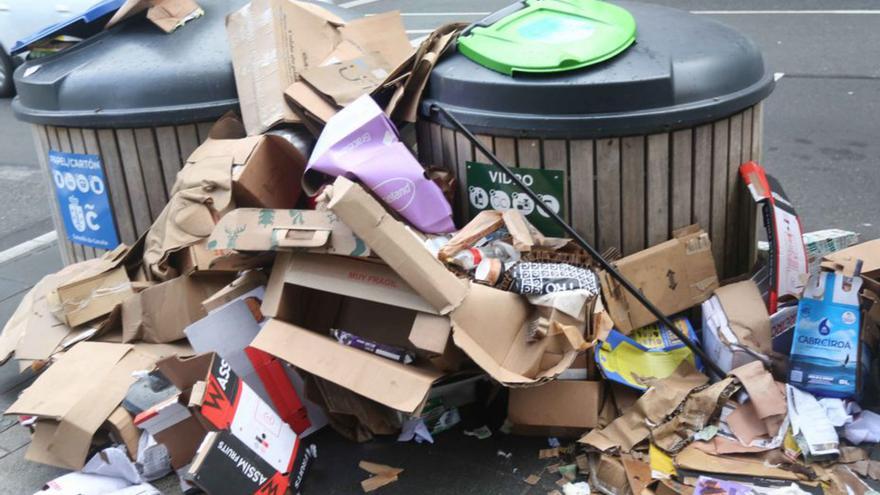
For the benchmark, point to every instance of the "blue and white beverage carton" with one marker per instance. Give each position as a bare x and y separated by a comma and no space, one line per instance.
825,351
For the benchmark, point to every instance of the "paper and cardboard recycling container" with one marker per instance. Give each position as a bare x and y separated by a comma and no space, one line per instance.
136,102
629,141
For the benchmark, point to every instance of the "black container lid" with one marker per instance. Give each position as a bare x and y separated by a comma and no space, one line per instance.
135,75
684,70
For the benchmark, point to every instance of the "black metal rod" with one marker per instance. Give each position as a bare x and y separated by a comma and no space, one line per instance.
608,267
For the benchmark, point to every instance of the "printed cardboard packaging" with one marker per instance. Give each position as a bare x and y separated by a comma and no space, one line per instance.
674,275
261,229
214,398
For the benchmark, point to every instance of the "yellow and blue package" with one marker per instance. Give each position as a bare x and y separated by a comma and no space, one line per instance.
646,355
825,352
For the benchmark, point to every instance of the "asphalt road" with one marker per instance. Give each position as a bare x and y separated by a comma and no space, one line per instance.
821,122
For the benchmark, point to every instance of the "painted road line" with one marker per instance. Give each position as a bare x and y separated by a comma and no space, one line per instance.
777,76
785,12
356,3
443,14
28,246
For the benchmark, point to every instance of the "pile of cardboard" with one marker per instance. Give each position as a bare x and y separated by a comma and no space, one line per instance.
250,316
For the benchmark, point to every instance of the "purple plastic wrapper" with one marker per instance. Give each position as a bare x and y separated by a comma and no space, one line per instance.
361,143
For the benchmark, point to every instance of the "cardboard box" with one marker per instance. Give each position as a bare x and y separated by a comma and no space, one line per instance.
489,325
75,396
675,275
736,326
215,398
314,293
224,464
266,169
298,36
261,229
571,404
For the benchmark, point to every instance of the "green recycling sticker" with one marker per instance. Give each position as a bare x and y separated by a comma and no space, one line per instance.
489,189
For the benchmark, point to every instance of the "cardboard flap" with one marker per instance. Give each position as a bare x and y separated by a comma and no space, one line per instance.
73,438
696,460
390,383
397,245
674,275
353,278
746,314
73,375
300,237
563,403
868,252
490,326
184,372
237,149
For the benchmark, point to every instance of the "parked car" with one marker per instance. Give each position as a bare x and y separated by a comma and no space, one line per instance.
19,19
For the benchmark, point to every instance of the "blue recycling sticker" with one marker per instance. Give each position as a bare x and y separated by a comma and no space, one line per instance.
83,199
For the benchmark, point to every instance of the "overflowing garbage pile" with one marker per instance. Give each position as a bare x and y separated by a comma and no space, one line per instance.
283,290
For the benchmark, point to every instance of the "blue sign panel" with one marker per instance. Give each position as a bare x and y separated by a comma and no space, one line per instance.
83,200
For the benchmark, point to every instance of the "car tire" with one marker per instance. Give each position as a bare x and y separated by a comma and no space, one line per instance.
7,86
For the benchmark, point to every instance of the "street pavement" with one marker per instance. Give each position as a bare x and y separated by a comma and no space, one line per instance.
820,140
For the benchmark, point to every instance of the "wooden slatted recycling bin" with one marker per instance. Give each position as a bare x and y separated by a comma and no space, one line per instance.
115,117
630,148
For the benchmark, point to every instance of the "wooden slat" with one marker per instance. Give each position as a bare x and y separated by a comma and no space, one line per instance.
757,155
632,193
148,157
608,194
116,184
734,160
583,189
556,158
41,140
187,140
529,153
682,178
657,194
746,213
447,149
702,171
65,145
203,129
505,150
423,141
128,155
720,135
758,132
464,153
488,142
436,145
169,155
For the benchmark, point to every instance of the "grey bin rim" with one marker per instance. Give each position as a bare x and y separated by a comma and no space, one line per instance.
594,126
129,117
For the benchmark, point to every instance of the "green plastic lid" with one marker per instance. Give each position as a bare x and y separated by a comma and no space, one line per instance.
549,36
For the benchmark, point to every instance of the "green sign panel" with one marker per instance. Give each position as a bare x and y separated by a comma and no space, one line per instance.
489,189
